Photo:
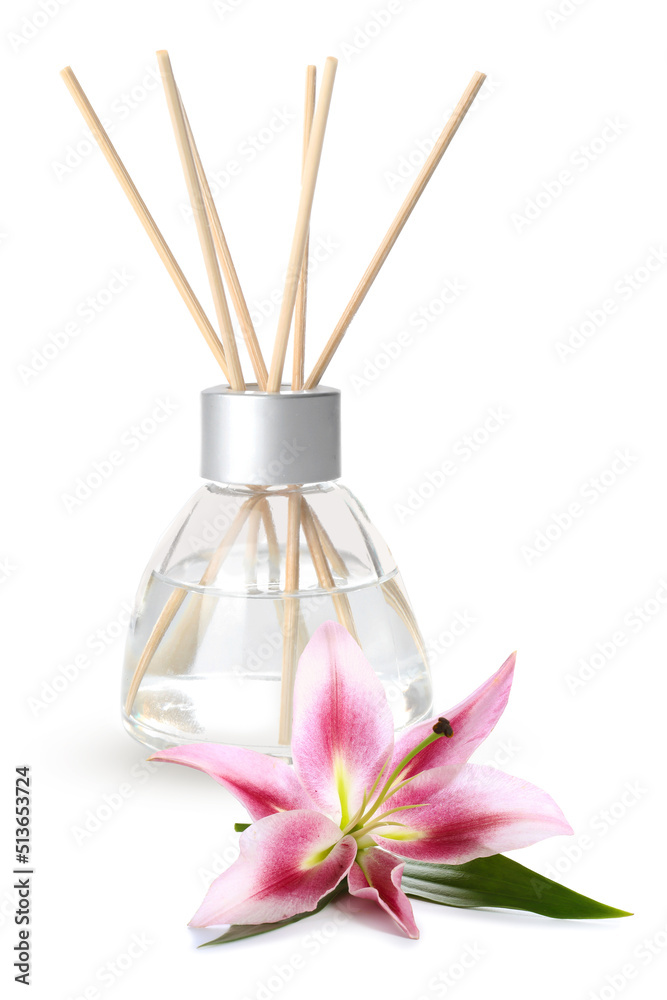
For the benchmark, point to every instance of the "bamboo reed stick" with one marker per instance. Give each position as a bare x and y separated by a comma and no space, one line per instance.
228,269
196,196
334,557
145,217
291,620
391,590
299,357
394,230
272,543
397,600
325,579
170,609
252,541
302,224
274,573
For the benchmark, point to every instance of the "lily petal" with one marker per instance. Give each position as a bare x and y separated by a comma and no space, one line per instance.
343,731
288,862
472,811
472,720
263,784
376,875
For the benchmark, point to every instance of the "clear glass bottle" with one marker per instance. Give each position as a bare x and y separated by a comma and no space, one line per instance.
245,575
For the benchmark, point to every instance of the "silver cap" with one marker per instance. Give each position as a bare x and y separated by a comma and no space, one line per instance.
270,438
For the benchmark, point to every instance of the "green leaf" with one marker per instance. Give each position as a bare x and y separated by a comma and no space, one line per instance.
499,881
239,931
240,827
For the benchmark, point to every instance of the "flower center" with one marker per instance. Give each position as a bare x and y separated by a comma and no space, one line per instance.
363,822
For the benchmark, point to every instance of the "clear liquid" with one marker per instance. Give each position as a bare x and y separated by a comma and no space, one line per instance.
216,675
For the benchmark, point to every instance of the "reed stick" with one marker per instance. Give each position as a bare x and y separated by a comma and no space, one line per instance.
228,268
391,590
325,579
334,557
272,543
196,196
171,607
275,570
302,224
394,230
252,541
291,619
397,600
299,357
138,204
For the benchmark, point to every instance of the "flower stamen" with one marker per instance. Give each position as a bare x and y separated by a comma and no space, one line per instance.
443,726
360,834
381,820
440,729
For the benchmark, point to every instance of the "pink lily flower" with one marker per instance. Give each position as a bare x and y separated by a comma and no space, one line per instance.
354,797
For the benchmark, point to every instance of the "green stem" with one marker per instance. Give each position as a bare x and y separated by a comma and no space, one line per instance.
387,789
360,834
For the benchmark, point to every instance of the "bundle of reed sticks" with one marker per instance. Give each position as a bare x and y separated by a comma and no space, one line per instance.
221,339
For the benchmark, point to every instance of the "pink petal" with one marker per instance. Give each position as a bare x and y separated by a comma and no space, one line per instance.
377,875
472,720
264,785
472,811
343,731
288,862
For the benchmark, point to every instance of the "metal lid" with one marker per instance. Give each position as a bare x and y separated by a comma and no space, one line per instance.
270,438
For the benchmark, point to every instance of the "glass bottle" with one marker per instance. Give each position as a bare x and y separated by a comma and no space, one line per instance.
269,548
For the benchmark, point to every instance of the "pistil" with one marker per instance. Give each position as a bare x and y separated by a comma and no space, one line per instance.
440,729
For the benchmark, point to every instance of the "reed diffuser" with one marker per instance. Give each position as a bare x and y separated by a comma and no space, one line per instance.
272,545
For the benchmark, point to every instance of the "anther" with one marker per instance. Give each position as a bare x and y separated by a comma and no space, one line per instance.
442,727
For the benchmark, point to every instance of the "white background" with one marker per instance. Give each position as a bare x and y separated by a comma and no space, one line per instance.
534,256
